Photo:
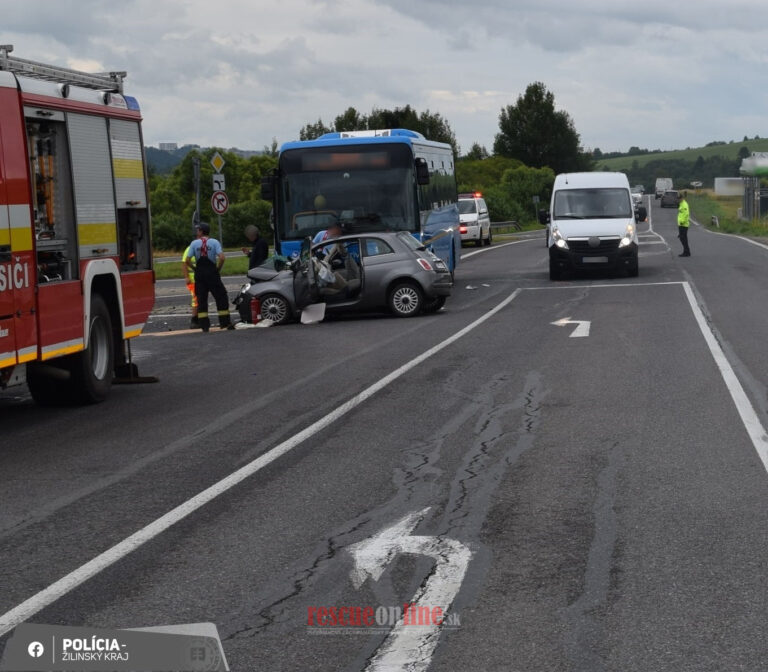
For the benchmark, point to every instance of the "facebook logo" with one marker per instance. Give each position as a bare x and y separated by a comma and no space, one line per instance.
35,649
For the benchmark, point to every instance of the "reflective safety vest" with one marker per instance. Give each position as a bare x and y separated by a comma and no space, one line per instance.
190,271
683,214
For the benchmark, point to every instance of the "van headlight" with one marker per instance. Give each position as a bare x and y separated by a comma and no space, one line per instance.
558,239
628,234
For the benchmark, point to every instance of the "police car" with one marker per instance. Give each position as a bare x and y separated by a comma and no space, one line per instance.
474,220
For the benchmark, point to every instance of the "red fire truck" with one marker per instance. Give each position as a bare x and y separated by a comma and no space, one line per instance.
76,278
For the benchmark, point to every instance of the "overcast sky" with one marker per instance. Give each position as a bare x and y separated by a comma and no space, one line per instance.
237,73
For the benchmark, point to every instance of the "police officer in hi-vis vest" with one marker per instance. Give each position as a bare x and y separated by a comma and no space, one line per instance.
208,260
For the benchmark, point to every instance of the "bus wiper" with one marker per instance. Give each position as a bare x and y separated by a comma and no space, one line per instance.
569,215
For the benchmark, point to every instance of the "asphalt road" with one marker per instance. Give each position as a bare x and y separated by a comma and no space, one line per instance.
583,502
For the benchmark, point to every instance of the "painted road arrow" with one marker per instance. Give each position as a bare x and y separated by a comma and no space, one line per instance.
410,647
582,326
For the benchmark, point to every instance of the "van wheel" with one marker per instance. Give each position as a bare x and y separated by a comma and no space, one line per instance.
93,368
489,239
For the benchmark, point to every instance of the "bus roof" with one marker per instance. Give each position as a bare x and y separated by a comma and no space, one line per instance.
373,137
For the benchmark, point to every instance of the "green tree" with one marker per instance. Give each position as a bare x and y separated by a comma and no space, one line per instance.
272,148
312,131
512,197
172,198
538,135
476,153
482,174
349,120
431,125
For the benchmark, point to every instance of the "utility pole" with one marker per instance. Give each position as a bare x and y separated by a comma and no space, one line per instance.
196,216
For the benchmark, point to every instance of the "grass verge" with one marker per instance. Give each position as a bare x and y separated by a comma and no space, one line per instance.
705,206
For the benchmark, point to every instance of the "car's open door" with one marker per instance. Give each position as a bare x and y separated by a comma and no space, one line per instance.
305,289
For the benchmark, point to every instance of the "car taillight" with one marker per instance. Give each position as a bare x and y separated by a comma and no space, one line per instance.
462,229
425,264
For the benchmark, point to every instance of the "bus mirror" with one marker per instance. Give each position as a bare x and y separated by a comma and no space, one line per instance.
422,171
268,187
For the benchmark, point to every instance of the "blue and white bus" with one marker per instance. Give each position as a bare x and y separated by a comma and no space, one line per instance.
385,180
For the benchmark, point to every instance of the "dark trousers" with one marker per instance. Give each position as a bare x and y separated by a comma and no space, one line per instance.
683,236
207,279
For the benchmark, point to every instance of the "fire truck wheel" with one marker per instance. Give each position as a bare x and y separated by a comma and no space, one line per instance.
92,369
49,385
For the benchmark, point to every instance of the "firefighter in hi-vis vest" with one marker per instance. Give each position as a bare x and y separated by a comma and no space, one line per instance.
189,273
209,258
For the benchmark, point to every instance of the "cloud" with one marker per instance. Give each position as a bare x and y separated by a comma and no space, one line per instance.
654,74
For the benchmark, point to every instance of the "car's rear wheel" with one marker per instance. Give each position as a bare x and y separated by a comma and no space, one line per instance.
434,305
275,308
406,299
489,239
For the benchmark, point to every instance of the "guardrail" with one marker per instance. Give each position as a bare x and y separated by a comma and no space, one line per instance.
506,225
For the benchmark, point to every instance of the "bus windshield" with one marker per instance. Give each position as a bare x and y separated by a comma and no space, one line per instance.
363,188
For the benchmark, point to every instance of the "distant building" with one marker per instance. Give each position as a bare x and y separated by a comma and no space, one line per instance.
168,146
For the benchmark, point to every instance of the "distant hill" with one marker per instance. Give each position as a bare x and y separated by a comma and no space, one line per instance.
728,150
163,161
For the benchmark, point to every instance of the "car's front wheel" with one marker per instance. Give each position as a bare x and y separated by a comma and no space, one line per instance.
275,308
406,299
554,270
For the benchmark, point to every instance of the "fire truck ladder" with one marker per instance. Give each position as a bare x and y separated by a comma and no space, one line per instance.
101,81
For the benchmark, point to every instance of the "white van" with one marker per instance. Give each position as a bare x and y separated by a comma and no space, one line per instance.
592,224
474,219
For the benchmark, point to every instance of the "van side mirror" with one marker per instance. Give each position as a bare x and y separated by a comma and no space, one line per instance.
268,187
641,214
422,171
544,217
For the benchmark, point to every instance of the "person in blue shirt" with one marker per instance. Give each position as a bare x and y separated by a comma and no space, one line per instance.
208,260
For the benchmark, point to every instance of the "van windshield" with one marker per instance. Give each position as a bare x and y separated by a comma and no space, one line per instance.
592,204
467,207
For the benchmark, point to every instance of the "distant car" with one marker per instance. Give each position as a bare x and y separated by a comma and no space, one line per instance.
637,194
670,199
363,272
474,220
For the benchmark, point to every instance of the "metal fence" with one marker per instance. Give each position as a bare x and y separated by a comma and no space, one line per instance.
506,225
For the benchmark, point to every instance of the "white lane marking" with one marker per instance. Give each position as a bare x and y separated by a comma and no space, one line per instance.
752,424
410,646
733,235
581,330
587,285
56,590
496,247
